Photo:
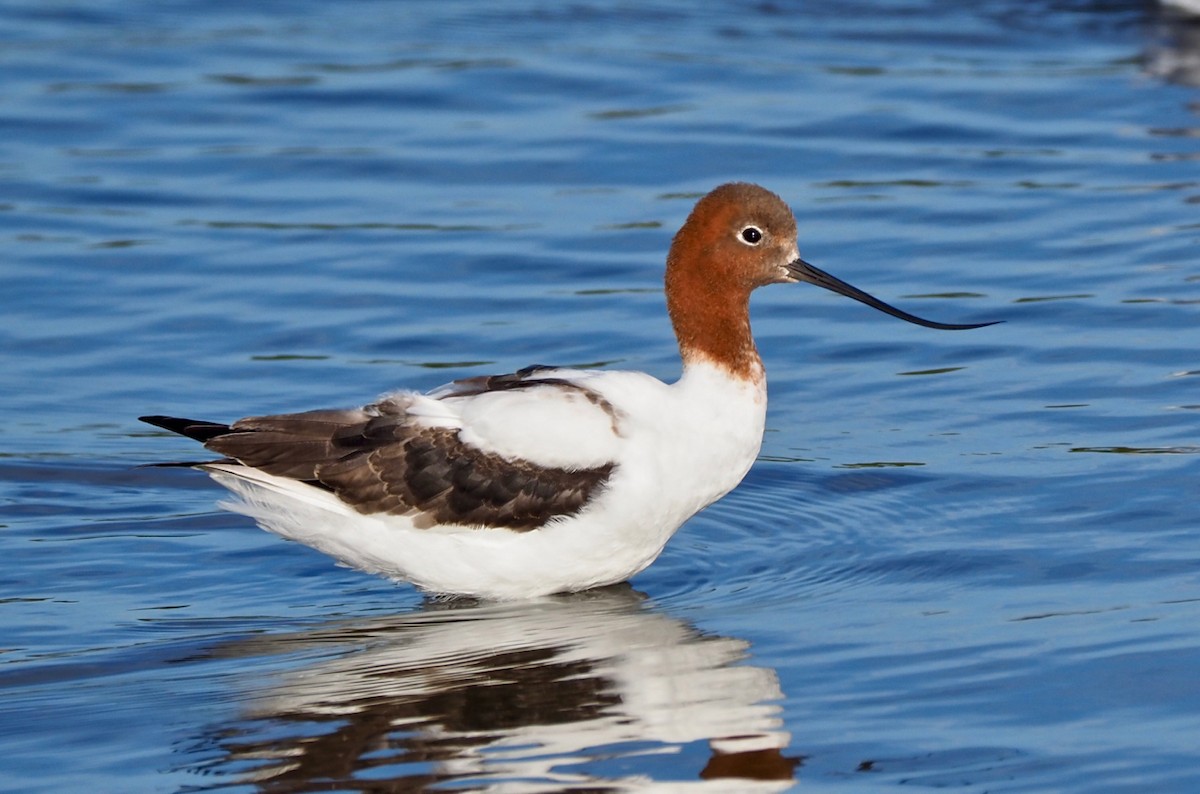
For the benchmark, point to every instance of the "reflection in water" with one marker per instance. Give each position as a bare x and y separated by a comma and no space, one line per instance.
1175,53
579,690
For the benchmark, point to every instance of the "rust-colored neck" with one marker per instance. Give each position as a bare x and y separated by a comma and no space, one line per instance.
711,319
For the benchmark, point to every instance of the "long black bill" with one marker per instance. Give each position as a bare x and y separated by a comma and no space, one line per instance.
803,271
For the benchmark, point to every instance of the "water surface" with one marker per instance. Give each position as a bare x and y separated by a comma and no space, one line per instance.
964,560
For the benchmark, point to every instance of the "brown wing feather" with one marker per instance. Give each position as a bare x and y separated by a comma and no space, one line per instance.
294,445
433,473
379,461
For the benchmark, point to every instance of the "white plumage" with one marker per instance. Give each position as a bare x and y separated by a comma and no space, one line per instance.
670,464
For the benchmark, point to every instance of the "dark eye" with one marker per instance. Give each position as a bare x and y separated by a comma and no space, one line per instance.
751,235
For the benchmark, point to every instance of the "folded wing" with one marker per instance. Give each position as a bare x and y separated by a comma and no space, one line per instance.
510,452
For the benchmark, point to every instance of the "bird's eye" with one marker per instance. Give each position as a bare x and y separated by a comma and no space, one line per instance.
751,235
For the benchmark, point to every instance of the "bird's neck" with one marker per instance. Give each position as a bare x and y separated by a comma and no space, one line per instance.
712,324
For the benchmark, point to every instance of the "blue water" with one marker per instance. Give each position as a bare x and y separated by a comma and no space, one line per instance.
964,560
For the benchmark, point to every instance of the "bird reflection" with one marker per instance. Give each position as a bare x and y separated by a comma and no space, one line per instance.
1174,49
593,689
